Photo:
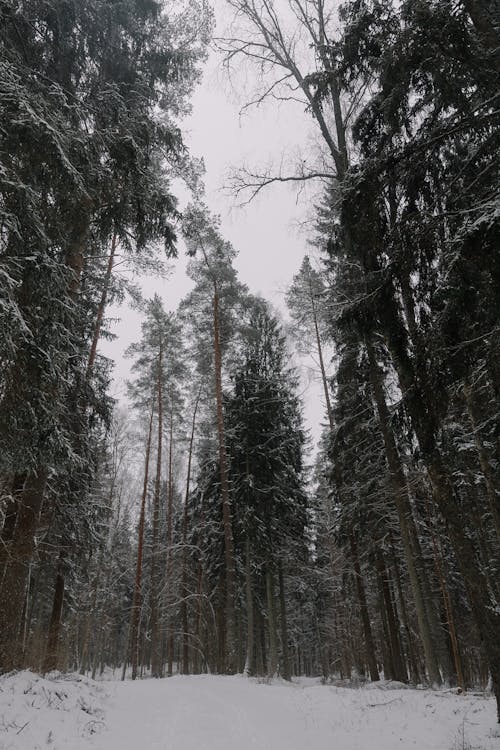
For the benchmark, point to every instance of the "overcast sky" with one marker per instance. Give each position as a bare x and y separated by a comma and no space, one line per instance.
269,233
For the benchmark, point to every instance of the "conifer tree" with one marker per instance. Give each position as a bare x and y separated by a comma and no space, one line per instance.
85,161
265,445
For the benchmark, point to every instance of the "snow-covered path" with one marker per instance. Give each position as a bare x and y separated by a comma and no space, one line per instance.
224,713
234,713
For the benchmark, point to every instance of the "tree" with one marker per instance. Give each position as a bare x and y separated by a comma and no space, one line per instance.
159,366
216,282
305,301
85,161
412,214
265,444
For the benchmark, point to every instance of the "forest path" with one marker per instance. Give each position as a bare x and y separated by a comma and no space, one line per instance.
70,712
234,713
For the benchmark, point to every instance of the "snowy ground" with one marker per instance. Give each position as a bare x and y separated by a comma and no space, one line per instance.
234,713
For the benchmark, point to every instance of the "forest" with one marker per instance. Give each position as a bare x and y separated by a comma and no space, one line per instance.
193,528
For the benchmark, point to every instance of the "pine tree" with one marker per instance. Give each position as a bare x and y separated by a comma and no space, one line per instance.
217,287
306,302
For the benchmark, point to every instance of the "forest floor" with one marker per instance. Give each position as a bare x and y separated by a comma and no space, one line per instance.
68,712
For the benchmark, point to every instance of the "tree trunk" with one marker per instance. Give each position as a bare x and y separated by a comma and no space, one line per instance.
401,500
324,379
51,654
386,646
185,592
487,617
226,505
170,516
486,468
399,669
136,601
101,307
272,667
485,612
414,671
365,617
10,520
155,585
285,672
249,661
16,573
438,561
431,608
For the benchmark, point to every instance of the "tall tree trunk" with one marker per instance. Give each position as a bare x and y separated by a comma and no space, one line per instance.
249,661
90,616
74,260
136,601
285,672
414,671
170,517
386,646
486,616
199,601
226,504
484,461
365,617
401,500
438,562
272,667
185,591
10,520
155,585
422,402
31,498
13,591
399,669
102,306
261,655
51,653
319,347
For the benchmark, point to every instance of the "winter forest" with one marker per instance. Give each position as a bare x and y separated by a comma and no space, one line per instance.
195,526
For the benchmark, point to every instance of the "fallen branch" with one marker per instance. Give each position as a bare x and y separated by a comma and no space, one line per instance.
374,705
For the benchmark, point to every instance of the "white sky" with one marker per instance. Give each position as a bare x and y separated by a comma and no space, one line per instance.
266,233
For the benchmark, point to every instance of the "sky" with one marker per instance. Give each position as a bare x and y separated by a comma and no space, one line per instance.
270,233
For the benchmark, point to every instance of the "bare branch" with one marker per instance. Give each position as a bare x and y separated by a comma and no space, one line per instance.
268,92
245,182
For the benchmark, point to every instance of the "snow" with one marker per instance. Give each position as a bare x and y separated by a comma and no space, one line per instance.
68,712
